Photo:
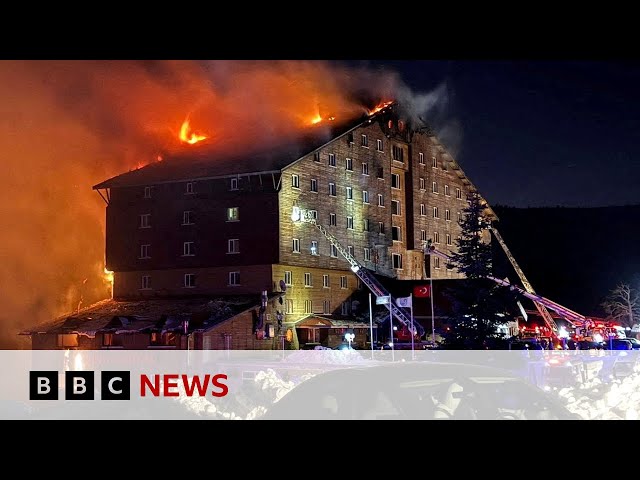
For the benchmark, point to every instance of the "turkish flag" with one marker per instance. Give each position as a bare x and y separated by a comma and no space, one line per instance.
422,291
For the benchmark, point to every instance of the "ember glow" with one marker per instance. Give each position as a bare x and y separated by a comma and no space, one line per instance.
189,136
380,106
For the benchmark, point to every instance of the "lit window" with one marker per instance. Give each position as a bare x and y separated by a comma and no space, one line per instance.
186,217
147,192
448,237
332,159
332,189
188,249
333,219
189,280
397,261
314,185
423,209
308,306
334,251
436,213
421,158
434,187
189,188
365,196
314,247
395,180
234,184
436,237
379,145
367,254
288,306
343,281
365,169
146,282
423,184
446,190
145,251
145,220
233,214
364,141
396,209
349,164
349,193
447,215
350,223
380,200
233,245
234,279
397,153
395,234
296,245
295,181
288,278
307,280
325,281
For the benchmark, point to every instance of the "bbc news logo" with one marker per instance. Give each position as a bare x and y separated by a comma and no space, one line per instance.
116,385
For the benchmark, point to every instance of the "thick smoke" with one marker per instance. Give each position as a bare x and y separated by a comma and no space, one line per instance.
65,126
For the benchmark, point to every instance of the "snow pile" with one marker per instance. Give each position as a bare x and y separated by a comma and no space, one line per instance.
331,357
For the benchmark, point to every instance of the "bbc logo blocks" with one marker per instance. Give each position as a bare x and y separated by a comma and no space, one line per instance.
114,385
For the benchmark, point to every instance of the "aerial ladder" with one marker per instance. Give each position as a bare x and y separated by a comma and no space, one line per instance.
306,216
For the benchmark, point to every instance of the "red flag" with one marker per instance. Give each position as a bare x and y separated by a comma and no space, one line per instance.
422,291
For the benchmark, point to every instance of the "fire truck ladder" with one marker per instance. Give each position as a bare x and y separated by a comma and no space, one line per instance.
542,310
367,278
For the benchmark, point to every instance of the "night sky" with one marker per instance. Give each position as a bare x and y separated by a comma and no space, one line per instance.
531,133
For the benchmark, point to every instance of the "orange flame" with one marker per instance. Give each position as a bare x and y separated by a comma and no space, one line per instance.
316,119
188,136
380,106
108,277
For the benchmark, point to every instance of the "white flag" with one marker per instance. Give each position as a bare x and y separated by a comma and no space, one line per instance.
384,300
404,302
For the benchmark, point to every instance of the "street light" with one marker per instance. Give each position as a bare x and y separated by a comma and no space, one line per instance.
349,337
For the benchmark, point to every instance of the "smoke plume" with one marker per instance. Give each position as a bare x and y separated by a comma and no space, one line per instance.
67,125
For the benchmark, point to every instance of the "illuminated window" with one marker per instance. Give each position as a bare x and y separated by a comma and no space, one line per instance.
379,145
397,261
308,306
325,281
434,162
334,251
332,189
423,184
395,180
381,228
233,245
365,169
145,220
186,217
421,158
434,187
350,223
314,247
396,208
447,215
364,140
448,237
295,245
349,164
145,251
288,278
366,225
147,192
314,185
333,219
189,280
189,190
436,213
458,194
423,209
436,237
397,153
365,196
67,340
395,234
423,235
188,249
326,306
446,190
295,181
380,200
343,281
234,184
307,280
233,214
288,306
349,193
234,279
146,282
332,159
367,254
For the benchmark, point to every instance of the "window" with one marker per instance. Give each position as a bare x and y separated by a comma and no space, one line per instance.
308,306
350,137
316,156
349,193
188,249
189,280
332,159
395,234
365,169
146,282
436,213
367,254
313,214
67,339
446,190
396,209
381,228
189,189
325,281
447,215
421,158
381,173
448,238
333,219
351,250
145,251
343,281
350,223
365,140
314,247
395,180
349,164
423,209
186,217
295,248
379,145
397,261
459,217
233,246
434,187
334,251
380,200
234,184
234,279
145,220
295,181
332,189
423,235
436,237
288,306
366,225
326,306
436,262
314,185
458,194
365,196
434,162
233,214
423,184
307,280
344,308
288,278
147,192
397,153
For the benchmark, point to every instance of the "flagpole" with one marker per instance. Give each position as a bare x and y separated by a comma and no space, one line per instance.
433,324
371,324
412,326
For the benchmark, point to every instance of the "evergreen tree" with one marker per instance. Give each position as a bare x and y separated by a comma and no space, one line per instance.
479,304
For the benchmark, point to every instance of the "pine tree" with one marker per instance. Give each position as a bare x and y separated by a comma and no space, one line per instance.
479,304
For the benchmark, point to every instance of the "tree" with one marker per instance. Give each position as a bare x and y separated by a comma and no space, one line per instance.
623,305
479,305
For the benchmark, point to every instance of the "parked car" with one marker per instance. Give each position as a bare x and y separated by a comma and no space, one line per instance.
617,344
414,391
635,343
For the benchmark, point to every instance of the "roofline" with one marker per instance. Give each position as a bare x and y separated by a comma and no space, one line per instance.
102,185
208,329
